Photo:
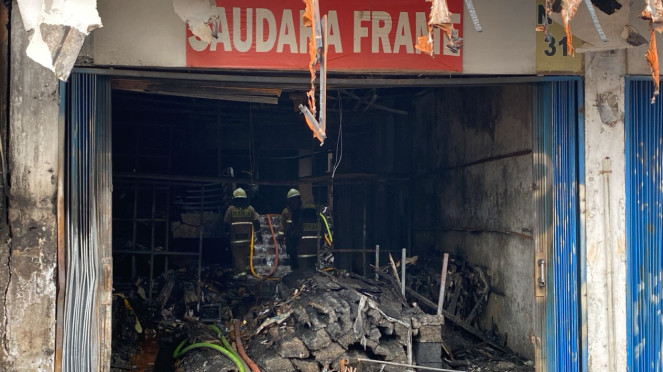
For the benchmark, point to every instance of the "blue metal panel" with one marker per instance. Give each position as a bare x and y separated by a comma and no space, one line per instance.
644,227
560,134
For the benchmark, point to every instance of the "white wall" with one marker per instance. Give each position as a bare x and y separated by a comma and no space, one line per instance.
139,33
606,242
507,43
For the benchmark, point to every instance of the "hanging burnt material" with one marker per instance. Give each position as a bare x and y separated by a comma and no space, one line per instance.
440,17
545,25
317,57
569,9
653,13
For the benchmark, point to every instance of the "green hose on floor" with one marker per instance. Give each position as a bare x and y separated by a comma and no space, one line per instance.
228,351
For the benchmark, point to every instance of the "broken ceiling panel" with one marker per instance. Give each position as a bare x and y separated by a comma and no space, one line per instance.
200,16
607,6
583,26
58,29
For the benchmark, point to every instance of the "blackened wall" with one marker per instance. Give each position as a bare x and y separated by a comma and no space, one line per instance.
29,307
370,187
4,116
473,175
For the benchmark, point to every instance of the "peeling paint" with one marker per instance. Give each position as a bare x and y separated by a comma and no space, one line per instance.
58,29
609,111
201,17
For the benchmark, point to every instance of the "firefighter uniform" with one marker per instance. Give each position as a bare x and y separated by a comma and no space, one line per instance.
291,226
242,220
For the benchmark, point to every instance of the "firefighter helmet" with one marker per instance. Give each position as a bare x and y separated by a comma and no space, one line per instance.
239,193
292,193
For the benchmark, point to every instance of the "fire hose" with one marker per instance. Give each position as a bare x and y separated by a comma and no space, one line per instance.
227,351
242,352
276,251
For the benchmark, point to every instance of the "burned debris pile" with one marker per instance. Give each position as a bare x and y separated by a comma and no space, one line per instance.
327,319
466,292
322,322
318,321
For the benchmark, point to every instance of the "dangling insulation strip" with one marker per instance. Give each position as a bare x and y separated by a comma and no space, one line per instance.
316,48
655,19
440,17
569,9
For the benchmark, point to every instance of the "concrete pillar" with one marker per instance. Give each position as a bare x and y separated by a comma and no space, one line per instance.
4,229
29,306
605,210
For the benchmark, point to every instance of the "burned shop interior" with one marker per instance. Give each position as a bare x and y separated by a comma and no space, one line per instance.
421,198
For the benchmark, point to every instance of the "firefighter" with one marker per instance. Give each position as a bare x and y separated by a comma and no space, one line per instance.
241,220
290,226
307,250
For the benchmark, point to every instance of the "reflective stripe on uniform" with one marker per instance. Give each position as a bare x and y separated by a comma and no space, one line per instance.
307,255
236,242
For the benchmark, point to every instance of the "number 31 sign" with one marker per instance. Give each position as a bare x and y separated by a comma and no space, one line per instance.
552,55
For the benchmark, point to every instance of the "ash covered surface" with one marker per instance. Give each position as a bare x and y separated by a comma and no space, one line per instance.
306,321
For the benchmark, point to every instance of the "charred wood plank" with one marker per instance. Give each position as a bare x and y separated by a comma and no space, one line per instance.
457,320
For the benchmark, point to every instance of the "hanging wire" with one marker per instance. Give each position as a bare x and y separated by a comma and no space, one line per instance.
252,147
339,142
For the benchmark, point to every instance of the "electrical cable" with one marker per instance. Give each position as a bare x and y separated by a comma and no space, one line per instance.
252,149
330,239
339,141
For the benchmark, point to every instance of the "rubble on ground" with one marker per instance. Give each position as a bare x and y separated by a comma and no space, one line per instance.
317,321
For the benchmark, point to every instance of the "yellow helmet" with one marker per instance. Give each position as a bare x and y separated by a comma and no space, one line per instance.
292,193
239,193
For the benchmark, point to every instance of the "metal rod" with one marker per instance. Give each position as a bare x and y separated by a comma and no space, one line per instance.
322,115
343,79
363,233
157,253
443,283
61,228
377,260
406,365
473,15
595,19
403,257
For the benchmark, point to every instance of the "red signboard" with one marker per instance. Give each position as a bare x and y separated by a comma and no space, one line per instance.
367,35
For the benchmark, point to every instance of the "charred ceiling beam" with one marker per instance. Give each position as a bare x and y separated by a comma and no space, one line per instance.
199,89
370,103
